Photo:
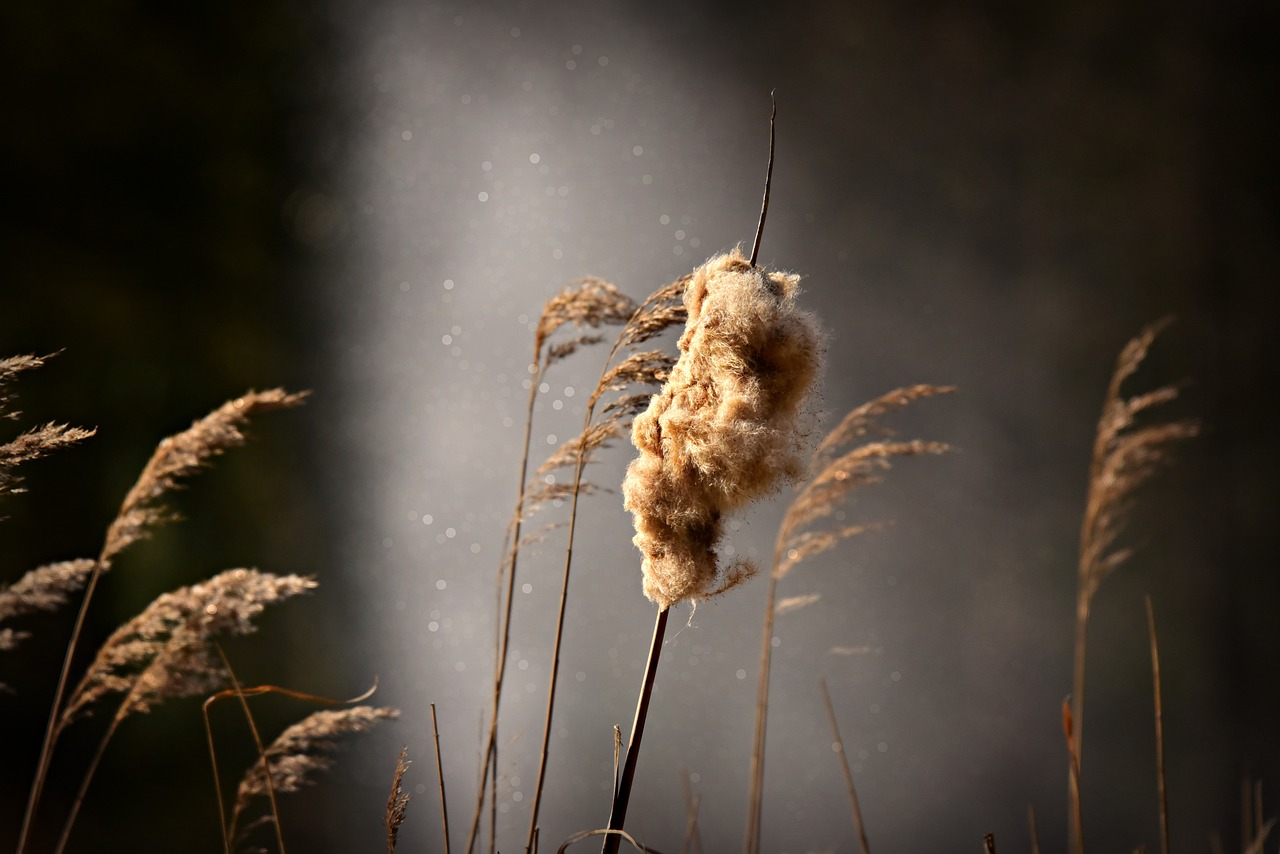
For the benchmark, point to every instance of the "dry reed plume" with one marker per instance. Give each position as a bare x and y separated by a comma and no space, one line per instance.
179,662
722,432
1125,456
852,455
397,801
300,753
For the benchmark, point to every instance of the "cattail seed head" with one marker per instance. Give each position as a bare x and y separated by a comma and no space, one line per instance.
722,431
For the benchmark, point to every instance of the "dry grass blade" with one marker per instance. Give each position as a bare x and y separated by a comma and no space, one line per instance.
163,653
44,589
795,603
397,801
692,837
180,456
1031,829
603,831
300,752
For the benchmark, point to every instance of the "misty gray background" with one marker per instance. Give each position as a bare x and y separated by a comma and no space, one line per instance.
375,200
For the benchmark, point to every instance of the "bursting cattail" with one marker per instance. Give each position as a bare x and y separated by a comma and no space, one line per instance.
722,432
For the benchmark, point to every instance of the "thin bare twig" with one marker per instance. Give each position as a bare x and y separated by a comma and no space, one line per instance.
1159,711
444,805
1031,828
262,752
1077,810
855,810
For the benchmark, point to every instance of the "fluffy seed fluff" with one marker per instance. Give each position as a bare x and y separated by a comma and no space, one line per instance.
722,431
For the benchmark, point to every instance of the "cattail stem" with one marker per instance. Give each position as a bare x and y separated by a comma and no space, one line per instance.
618,815
844,767
755,798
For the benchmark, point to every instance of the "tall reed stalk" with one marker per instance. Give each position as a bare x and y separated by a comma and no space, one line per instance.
1125,456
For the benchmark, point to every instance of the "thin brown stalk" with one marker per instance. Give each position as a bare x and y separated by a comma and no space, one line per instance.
618,816
854,809
768,182
397,801
505,610
590,303
1031,829
1159,712
175,458
1259,827
444,804
262,754
217,778
692,838
1077,809
1260,839
617,757
989,843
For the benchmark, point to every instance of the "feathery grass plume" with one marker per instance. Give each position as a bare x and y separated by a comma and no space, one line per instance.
842,462
181,455
587,303
164,652
37,441
722,431
1125,456
397,801
175,458
299,753
663,309
45,588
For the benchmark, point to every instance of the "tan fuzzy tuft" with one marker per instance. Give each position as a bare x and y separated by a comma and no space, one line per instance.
722,432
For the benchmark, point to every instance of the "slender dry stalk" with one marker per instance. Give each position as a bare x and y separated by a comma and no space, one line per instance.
768,181
1125,456
397,801
588,303
692,838
242,694
262,754
444,804
1031,829
1260,838
299,753
660,311
1077,808
841,463
617,756
1161,790
854,809
175,458
989,843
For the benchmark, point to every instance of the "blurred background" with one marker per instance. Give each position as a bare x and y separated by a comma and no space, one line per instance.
373,201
